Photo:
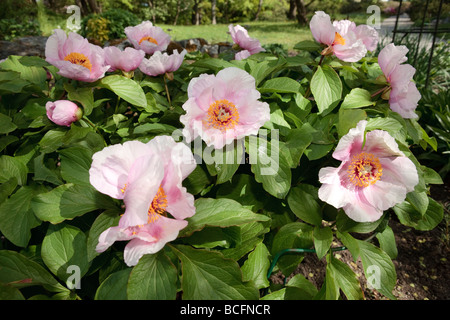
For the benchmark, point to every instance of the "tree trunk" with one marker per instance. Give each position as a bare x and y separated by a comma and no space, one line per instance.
152,7
301,13
196,13
292,8
213,11
259,9
225,11
94,6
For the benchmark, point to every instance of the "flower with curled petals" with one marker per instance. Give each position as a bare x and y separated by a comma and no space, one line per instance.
403,93
248,45
127,60
373,176
75,57
162,63
223,107
343,38
147,37
148,177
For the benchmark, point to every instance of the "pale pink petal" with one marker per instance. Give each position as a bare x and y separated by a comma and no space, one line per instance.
382,144
352,51
111,166
405,102
164,229
351,143
368,35
243,54
321,28
390,57
144,180
401,171
331,191
360,210
343,27
401,77
384,195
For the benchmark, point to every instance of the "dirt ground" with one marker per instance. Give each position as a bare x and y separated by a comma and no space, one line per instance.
423,269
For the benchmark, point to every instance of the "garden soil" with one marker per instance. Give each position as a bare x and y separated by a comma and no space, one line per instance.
423,269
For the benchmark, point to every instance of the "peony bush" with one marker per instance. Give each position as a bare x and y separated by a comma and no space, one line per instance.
148,174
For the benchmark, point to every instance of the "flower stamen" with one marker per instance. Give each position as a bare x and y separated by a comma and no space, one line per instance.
80,59
222,115
149,39
364,170
338,39
158,206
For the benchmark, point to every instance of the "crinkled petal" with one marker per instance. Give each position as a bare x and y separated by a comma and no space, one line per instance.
321,28
381,144
368,35
351,143
390,57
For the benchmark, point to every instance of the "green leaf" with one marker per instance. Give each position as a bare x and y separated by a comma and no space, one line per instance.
17,268
305,206
270,166
348,119
378,268
323,237
256,266
75,164
410,217
264,68
8,292
12,167
307,45
219,213
297,141
346,279
114,287
153,278
299,288
291,235
281,85
207,275
326,87
85,96
105,220
6,124
17,218
387,242
69,201
52,140
64,246
350,243
228,160
125,88
357,98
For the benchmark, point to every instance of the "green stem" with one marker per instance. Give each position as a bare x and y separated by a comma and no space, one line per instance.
378,92
167,92
116,110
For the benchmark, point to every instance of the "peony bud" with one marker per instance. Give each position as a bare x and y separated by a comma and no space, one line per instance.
63,112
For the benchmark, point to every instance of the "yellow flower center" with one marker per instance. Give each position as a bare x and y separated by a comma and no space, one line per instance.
149,39
80,59
158,206
338,39
222,115
364,170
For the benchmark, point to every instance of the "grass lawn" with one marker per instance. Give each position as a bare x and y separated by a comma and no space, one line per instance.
284,33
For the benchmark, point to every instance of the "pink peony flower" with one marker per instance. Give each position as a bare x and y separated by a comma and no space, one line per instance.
75,57
243,54
63,112
126,60
404,95
147,37
240,37
224,107
373,176
150,180
161,63
343,38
